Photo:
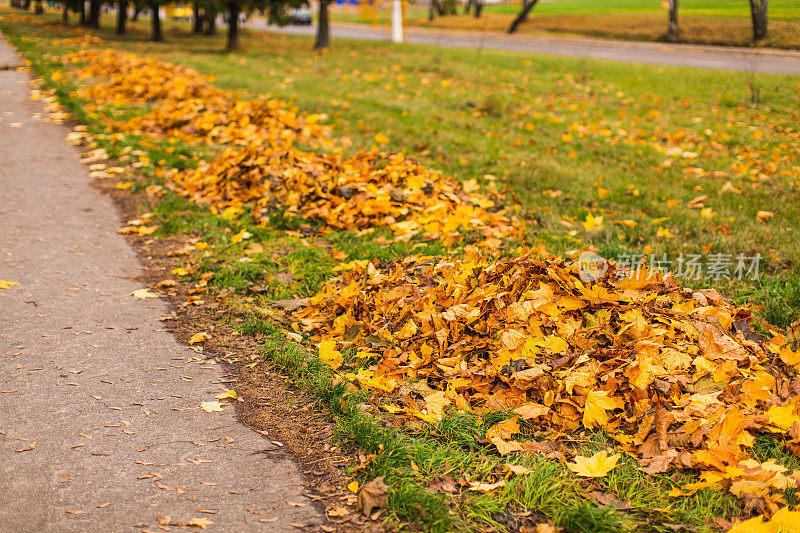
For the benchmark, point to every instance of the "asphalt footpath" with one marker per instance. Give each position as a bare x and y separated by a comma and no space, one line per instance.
100,425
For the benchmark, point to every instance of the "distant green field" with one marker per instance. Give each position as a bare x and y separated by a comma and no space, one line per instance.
778,9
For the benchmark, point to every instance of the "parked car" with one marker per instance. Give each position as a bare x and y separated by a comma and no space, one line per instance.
300,16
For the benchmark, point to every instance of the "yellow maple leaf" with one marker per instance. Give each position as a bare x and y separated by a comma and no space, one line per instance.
598,465
435,404
504,429
784,521
594,412
783,416
380,138
329,355
353,487
531,410
180,271
5,284
227,395
764,216
198,338
663,232
517,470
212,407
592,223
486,488
200,522
244,234
142,294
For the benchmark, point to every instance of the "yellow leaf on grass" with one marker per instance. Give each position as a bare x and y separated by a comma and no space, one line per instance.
329,355
435,404
5,284
227,395
784,521
124,185
504,447
504,429
517,470
212,407
594,412
598,465
198,338
380,138
244,234
764,216
180,271
592,223
663,232
486,488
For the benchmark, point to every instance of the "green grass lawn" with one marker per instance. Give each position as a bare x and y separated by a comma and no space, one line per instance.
778,9
570,139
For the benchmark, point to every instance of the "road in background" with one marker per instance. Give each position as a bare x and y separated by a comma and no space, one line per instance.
684,55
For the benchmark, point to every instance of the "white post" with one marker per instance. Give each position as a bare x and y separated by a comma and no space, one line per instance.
397,21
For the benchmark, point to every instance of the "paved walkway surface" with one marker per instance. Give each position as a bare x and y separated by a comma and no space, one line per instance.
711,57
99,425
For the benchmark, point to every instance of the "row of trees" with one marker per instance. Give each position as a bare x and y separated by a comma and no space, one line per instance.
205,14
758,10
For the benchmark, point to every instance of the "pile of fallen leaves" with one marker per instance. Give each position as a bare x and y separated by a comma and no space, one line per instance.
370,189
675,376
221,118
127,78
188,107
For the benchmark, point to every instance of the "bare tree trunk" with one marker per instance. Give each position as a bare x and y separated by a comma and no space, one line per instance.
759,10
211,23
155,21
478,8
467,6
233,25
527,5
82,12
197,20
122,16
38,7
94,14
136,11
672,32
323,38
65,14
